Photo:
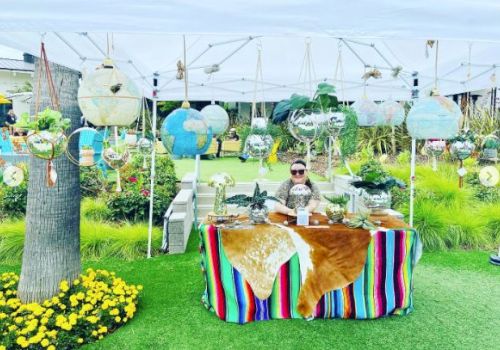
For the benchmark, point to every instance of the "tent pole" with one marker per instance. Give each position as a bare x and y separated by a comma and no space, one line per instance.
412,177
153,164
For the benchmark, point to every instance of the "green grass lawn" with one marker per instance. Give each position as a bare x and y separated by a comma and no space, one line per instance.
243,172
457,306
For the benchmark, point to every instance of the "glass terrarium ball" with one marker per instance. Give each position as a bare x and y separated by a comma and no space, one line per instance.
301,194
46,144
367,111
434,117
392,113
462,149
107,97
116,156
185,132
259,123
303,125
144,146
435,147
259,146
335,123
216,117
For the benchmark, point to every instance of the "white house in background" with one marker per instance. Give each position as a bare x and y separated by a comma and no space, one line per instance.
13,76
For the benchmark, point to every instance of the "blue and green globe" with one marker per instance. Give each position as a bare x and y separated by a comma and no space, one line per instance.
185,132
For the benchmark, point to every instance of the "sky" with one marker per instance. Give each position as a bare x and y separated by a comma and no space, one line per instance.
7,52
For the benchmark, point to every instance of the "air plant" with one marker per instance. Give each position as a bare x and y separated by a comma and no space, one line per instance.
361,220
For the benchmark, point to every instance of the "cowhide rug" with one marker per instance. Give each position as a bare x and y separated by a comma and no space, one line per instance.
331,256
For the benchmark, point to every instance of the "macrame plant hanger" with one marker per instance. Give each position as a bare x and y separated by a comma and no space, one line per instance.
307,70
54,101
263,114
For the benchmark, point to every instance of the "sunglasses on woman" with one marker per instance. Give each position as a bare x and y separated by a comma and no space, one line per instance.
300,172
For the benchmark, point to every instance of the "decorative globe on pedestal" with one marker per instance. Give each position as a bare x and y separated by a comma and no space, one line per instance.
391,114
434,117
216,117
368,112
185,132
303,125
107,97
300,195
335,123
462,149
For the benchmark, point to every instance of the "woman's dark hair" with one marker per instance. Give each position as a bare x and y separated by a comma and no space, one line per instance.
308,182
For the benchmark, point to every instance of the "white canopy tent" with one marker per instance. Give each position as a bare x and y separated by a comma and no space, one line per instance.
146,37
146,40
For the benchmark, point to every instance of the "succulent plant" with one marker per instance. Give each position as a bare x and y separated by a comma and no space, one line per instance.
256,201
341,200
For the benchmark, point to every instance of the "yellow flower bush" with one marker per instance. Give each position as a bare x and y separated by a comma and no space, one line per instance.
83,311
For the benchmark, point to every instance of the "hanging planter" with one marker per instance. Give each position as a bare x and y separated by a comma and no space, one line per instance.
462,146
144,146
392,113
107,97
46,139
434,117
216,118
90,144
367,111
185,132
435,148
490,146
116,156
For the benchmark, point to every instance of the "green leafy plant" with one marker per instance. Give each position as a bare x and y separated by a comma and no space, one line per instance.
256,201
349,133
50,120
491,142
375,179
323,100
341,200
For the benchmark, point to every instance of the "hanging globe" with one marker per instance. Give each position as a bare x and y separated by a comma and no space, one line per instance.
144,146
259,146
368,112
46,144
303,125
335,123
391,113
462,149
434,117
107,97
216,117
185,132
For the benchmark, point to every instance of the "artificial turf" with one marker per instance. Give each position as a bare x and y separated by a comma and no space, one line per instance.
457,306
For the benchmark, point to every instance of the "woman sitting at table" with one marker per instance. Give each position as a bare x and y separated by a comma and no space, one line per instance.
288,204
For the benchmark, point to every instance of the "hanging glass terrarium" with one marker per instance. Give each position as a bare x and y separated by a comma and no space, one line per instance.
144,146
392,113
216,117
335,123
185,132
90,144
107,97
367,111
490,147
435,148
434,117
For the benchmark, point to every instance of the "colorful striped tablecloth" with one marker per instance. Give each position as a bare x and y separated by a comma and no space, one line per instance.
384,287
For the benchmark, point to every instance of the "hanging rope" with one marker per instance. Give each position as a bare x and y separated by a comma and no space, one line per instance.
436,68
185,104
258,77
44,66
339,67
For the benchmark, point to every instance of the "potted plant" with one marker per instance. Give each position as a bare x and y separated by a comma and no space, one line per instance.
336,207
220,181
490,146
257,209
375,185
87,155
46,137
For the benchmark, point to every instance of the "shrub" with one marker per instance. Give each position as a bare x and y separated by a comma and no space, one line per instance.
13,201
95,209
84,311
92,182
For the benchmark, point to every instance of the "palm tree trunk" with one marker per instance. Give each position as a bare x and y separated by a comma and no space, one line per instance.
52,242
